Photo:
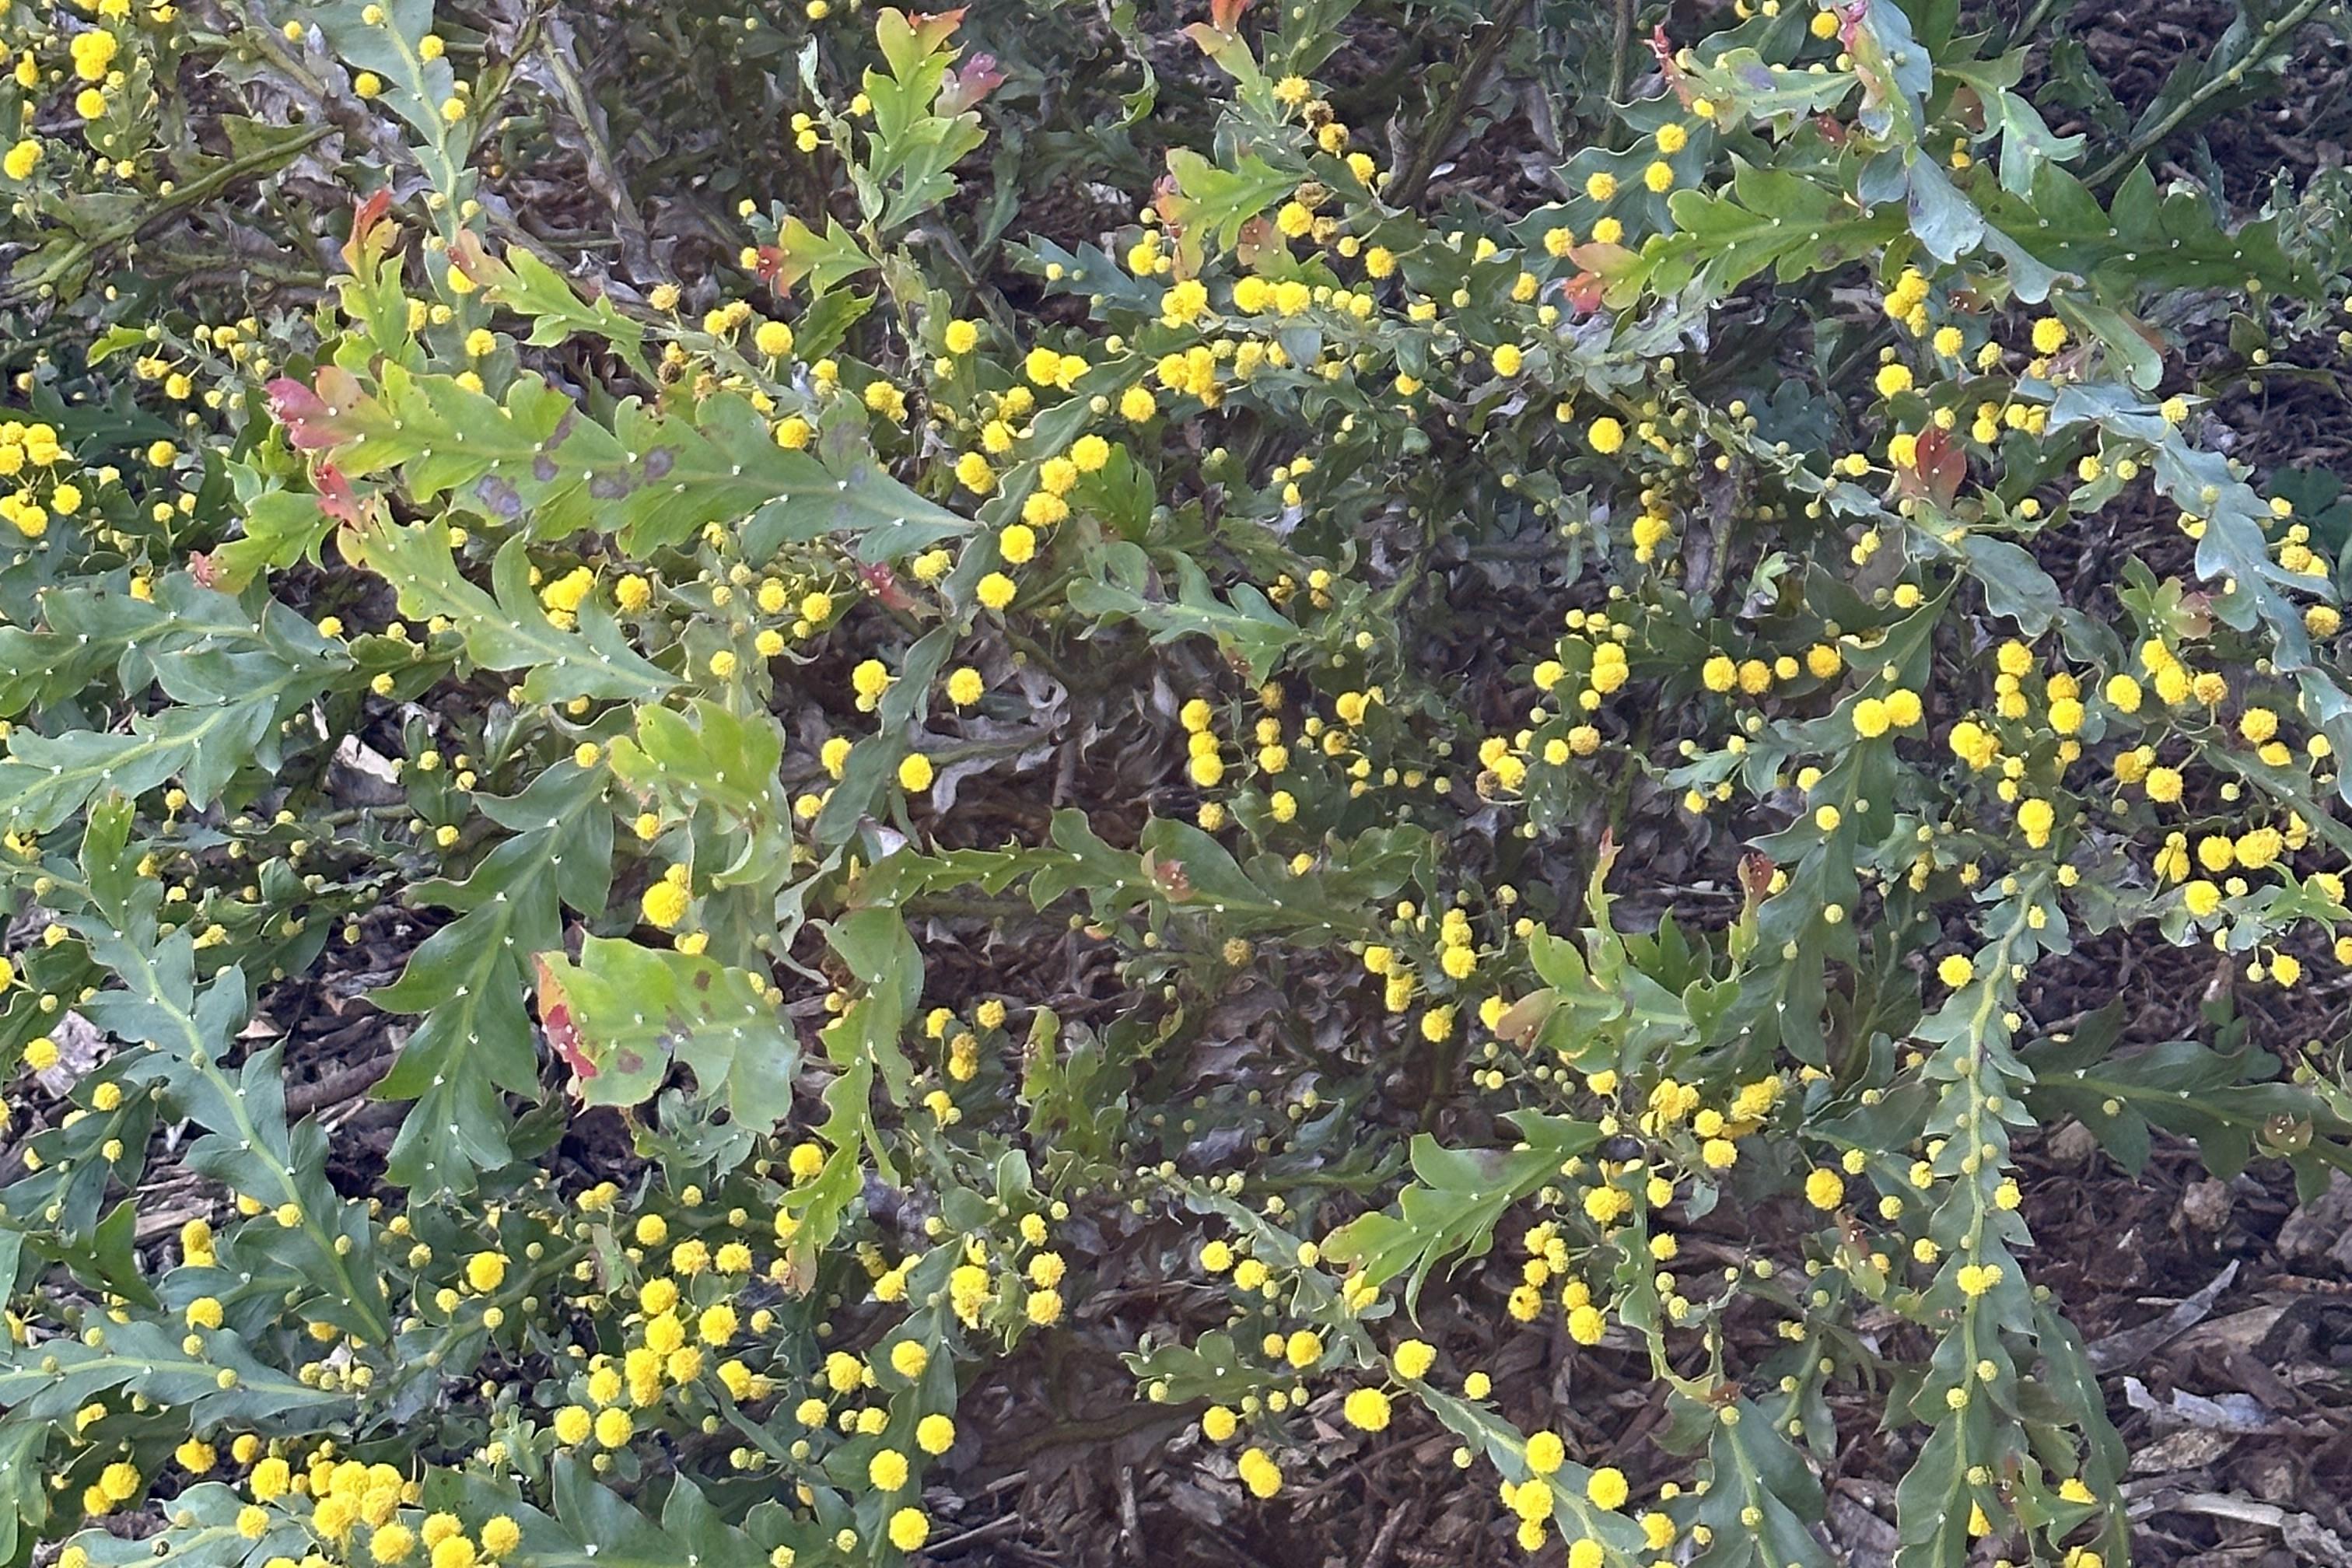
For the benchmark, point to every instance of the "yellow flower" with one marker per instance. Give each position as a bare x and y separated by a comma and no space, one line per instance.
1600,185
914,773
1824,1189
1955,970
1606,435
664,904
1607,1488
1367,1409
909,1528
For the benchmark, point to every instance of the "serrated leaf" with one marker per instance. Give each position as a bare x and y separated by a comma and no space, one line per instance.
511,631
473,1043
1451,1208
1248,628
636,1011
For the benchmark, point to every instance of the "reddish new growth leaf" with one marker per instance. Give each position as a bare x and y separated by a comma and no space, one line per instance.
1582,291
314,415
1849,22
1169,876
1227,14
555,1017
474,262
965,88
367,216
933,28
335,496
884,586
1669,67
1937,468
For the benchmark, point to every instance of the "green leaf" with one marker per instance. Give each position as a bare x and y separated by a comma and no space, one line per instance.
636,1011
1213,202
2015,583
52,1379
1451,1208
473,1043
706,753
1756,1474
826,261
530,287
653,477
1768,217
509,632
1249,629
1946,224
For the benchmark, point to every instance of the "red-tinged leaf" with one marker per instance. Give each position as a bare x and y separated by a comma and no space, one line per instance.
1850,17
1937,468
1605,262
367,216
314,415
1167,198
1670,68
1831,128
202,567
1582,292
1227,14
555,1017
475,263
965,88
1257,235
884,586
936,27
1169,876
336,497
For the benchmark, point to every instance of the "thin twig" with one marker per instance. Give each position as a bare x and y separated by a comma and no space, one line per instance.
2031,22
1621,45
2274,31
1473,72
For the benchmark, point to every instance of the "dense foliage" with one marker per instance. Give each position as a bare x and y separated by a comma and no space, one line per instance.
1362,731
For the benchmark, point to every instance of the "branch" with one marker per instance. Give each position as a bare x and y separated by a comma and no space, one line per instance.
23,286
